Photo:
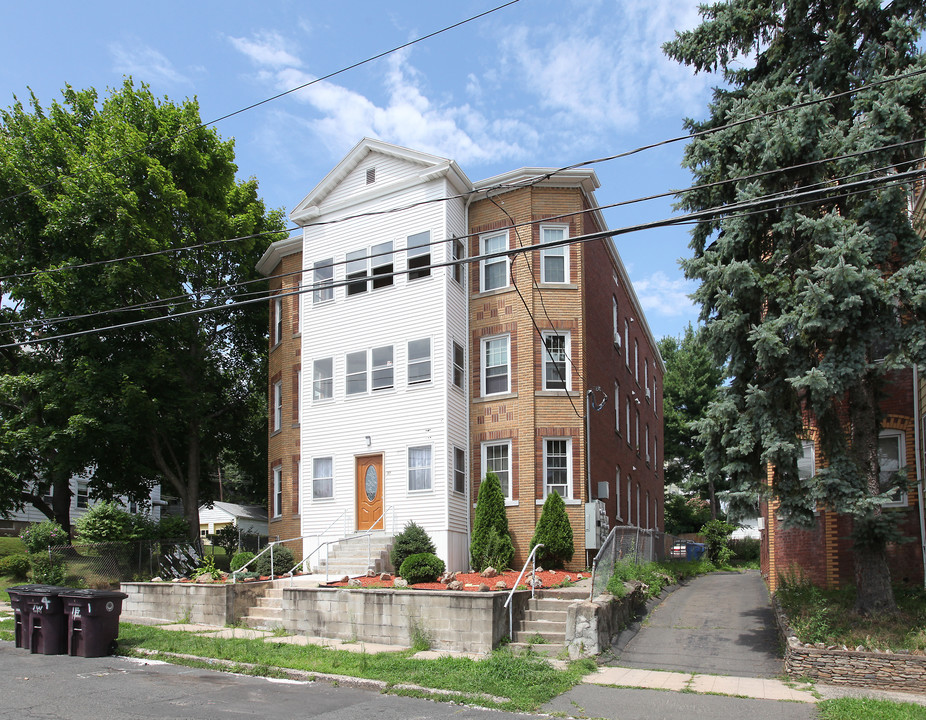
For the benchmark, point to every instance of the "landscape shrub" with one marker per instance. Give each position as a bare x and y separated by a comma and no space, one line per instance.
41,536
498,551
411,541
241,559
745,549
717,534
105,522
283,561
554,532
490,513
421,567
47,570
15,566
226,537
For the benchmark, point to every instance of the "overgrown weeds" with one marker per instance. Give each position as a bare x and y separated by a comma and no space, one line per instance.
655,575
829,617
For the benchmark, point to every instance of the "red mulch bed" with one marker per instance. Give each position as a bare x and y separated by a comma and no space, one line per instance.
471,581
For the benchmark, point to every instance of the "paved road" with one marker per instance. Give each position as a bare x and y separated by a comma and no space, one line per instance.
719,623
39,687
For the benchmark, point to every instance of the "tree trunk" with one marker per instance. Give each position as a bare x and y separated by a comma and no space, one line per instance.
874,594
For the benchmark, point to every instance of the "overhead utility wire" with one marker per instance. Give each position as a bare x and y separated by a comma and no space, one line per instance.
410,206
186,298
330,75
753,206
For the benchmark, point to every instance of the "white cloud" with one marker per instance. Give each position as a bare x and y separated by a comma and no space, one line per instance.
661,295
266,49
145,64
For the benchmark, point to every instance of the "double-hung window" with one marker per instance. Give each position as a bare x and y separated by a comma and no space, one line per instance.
456,249
357,272
322,478
277,406
459,366
493,271
614,328
323,280
627,418
277,491
496,368
381,260
418,255
419,361
496,458
322,379
419,468
556,375
806,467
383,369
891,461
617,408
277,321
356,379
557,468
83,495
459,470
627,342
554,261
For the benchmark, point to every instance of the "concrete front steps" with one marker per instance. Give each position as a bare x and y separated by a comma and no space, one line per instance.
543,629
349,556
268,613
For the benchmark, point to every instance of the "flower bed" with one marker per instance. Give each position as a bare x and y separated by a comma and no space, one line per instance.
472,581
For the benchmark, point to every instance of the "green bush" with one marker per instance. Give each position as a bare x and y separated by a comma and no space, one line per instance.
226,537
12,546
745,549
172,527
717,534
498,552
490,513
46,570
15,566
283,561
421,568
411,541
105,522
555,533
240,559
43,535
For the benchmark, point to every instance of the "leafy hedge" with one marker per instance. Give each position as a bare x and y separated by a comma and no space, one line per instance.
411,541
422,567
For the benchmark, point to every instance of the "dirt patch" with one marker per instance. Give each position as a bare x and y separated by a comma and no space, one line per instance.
472,581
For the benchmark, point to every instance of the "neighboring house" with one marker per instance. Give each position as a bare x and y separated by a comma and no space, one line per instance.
400,376
247,518
80,503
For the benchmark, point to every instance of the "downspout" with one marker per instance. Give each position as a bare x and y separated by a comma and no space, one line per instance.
918,419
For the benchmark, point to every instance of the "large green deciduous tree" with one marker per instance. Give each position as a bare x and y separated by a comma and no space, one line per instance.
84,181
691,382
796,296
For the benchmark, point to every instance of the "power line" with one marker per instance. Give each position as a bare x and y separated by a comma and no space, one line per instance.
751,206
330,75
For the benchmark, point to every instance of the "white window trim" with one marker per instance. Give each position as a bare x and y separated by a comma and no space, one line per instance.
277,491
455,470
454,367
278,406
329,378
560,248
903,501
277,321
322,498
567,369
419,361
482,364
322,288
408,469
617,408
416,251
569,463
617,493
509,496
366,374
492,261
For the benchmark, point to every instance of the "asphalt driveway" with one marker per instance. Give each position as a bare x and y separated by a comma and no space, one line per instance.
719,623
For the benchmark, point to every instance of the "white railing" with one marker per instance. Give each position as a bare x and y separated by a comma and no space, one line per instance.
269,548
508,603
318,545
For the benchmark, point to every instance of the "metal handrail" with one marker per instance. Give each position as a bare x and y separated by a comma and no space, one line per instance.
517,582
234,573
367,533
316,536
606,545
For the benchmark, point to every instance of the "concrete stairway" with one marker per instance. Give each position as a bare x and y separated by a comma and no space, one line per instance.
349,557
268,613
543,628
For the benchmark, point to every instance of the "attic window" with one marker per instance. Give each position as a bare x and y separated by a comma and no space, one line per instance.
371,175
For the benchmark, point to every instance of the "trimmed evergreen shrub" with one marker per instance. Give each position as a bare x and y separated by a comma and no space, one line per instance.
283,561
554,532
490,513
15,566
498,552
421,567
412,540
241,559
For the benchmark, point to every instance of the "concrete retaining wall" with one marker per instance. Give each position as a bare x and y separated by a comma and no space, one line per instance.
461,621
591,625
888,671
217,604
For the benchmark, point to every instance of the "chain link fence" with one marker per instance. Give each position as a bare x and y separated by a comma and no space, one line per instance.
105,565
632,544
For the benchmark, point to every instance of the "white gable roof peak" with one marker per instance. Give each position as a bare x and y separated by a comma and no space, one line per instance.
432,166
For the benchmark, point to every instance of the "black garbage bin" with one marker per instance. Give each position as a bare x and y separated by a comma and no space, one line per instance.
42,624
92,621
20,614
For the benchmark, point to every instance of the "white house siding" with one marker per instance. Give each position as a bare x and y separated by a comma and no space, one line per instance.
393,419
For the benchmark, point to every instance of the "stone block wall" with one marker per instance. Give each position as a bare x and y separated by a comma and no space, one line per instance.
468,622
190,602
591,624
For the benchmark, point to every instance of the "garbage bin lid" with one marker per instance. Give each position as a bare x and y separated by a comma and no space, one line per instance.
47,590
88,594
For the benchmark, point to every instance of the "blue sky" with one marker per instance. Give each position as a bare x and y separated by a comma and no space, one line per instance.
539,83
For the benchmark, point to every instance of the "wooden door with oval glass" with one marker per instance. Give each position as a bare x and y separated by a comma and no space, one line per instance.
370,492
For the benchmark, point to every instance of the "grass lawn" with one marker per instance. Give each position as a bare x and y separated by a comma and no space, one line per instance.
867,709
828,616
525,682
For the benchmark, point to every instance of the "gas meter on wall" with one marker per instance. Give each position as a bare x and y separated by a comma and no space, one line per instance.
597,526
